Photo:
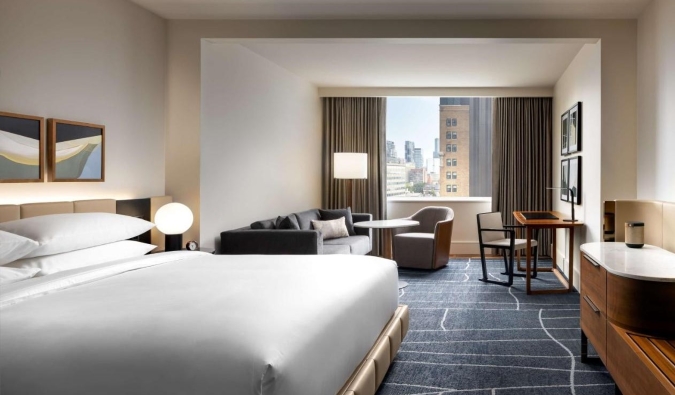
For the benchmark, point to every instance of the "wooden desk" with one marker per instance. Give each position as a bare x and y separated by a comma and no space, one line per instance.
530,224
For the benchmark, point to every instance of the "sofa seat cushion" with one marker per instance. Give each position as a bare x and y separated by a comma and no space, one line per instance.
336,249
358,245
414,250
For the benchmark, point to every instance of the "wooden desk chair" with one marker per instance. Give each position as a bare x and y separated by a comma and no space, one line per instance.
492,233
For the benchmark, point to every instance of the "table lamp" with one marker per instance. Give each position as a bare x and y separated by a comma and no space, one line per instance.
350,166
173,220
571,192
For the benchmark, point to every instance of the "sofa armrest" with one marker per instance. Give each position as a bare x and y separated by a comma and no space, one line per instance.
271,242
363,217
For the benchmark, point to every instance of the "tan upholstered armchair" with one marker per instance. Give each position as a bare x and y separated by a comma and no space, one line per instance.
426,246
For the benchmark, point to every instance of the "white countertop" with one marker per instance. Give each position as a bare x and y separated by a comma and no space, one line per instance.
648,263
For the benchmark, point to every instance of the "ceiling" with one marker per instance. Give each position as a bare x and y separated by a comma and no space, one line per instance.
381,63
388,9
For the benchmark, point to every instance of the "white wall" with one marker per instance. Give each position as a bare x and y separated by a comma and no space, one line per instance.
656,101
260,141
464,229
581,82
100,62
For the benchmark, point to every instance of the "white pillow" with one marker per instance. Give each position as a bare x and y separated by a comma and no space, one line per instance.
10,275
13,247
89,256
60,233
331,229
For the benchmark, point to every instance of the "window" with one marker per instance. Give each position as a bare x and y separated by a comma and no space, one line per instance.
424,153
449,122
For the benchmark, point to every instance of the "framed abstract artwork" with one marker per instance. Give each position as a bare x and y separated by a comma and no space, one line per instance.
574,129
22,148
564,133
564,180
575,178
76,151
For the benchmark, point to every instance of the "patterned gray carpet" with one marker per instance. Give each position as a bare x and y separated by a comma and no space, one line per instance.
468,337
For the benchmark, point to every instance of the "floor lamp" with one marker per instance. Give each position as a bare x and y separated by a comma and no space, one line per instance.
350,166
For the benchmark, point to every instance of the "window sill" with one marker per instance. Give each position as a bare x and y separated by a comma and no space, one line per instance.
398,199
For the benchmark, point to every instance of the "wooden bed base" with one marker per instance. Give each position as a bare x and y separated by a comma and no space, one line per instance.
371,371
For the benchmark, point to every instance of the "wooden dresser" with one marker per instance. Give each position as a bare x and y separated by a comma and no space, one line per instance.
628,314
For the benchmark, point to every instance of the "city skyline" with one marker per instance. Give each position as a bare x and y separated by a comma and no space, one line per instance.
413,119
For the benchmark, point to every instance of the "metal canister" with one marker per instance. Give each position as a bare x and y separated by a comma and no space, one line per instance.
635,234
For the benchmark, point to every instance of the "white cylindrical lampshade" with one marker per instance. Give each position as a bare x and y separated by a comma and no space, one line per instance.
350,165
173,219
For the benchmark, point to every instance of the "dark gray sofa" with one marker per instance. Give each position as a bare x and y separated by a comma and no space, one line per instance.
305,241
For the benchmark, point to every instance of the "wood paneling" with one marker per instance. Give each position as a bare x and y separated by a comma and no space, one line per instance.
643,306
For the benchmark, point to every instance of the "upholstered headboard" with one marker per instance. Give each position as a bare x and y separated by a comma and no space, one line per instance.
659,219
142,208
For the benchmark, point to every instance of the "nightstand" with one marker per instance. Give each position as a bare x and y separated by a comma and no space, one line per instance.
202,249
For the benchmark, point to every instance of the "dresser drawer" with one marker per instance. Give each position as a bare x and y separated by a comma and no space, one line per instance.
594,325
594,282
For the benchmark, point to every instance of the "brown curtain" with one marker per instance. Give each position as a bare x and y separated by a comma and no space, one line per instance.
522,158
356,124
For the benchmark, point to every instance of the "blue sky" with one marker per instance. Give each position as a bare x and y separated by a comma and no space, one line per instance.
414,119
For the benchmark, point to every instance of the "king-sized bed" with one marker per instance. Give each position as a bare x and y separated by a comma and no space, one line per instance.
194,323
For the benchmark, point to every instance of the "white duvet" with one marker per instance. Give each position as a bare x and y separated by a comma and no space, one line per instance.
193,323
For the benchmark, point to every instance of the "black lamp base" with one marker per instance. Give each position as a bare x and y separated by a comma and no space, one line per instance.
173,242
570,220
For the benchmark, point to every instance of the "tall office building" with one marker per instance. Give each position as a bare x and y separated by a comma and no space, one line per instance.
465,131
391,152
418,158
437,150
409,151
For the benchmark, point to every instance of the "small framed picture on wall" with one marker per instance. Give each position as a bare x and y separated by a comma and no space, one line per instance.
564,131
22,148
76,151
575,178
574,129
564,180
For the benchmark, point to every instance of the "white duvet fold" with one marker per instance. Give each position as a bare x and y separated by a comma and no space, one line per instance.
36,287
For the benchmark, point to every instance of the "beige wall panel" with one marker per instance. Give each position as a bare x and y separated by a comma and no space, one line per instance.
649,212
